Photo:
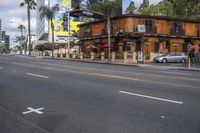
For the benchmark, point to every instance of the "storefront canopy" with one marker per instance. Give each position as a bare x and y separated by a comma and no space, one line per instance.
86,13
92,47
106,45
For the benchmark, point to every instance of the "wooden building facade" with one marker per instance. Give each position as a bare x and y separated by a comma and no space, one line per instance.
151,35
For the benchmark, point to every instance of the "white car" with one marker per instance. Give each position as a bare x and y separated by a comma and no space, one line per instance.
171,57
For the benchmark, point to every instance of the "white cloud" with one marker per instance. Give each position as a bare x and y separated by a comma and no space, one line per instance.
10,11
154,1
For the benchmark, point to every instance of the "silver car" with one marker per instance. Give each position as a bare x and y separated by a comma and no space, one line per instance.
171,57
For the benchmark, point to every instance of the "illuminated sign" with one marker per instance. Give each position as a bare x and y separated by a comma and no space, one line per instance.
97,29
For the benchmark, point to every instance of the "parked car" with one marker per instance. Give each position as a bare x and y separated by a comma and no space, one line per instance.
171,57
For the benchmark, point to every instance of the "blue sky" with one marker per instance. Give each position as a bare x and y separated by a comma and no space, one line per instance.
125,3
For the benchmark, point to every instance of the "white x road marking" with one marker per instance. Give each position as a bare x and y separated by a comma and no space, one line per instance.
33,110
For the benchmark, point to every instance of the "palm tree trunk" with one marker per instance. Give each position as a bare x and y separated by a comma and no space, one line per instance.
21,40
29,30
52,28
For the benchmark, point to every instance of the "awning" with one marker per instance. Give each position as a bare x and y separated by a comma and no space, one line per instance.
91,47
86,13
105,45
196,47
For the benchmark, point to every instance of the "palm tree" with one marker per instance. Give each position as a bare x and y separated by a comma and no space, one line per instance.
49,13
107,8
31,4
22,28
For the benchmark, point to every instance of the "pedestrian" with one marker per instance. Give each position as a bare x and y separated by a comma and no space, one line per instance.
192,56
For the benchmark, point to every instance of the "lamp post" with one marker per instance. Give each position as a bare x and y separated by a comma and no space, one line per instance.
189,62
68,24
109,40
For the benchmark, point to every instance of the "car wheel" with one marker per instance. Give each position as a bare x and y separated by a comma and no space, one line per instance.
183,61
164,61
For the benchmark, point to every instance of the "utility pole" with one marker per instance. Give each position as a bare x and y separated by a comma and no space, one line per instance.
68,20
109,42
189,63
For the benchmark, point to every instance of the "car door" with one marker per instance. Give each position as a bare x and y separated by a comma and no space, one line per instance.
177,57
170,57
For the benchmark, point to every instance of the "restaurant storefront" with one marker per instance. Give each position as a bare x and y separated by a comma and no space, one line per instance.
133,34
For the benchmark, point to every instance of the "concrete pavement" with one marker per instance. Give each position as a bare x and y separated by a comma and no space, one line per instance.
83,97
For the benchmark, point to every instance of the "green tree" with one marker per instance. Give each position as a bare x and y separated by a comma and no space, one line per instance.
173,8
22,28
30,4
185,8
151,10
49,13
131,8
145,4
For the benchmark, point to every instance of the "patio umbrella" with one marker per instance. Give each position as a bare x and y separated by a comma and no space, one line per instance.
196,47
161,49
106,45
91,47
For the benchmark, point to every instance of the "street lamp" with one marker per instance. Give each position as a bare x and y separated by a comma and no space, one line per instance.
68,21
67,8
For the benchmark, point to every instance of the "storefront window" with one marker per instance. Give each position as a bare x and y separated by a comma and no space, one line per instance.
150,26
157,46
177,29
198,30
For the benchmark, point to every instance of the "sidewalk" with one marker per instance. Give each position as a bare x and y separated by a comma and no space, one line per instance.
122,63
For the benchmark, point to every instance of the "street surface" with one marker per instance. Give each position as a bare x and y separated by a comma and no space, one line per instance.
59,96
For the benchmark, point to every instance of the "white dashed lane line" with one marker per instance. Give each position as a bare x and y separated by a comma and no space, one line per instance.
37,75
151,97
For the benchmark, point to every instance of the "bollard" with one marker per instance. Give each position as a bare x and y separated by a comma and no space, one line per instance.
102,56
113,57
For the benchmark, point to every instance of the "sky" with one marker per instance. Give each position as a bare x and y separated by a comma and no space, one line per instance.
137,3
12,15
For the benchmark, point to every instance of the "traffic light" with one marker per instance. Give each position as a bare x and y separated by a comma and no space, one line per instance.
65,23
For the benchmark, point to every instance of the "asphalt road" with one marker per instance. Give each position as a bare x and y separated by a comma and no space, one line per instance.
59,96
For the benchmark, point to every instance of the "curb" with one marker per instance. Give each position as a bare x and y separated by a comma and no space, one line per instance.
100,62
97,62
119,64
186,69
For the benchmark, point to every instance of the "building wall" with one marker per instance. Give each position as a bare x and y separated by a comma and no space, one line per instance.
42,23
164,34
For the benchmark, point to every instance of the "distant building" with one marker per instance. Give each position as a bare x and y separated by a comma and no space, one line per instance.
43,31
33,39
5,40
42,23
